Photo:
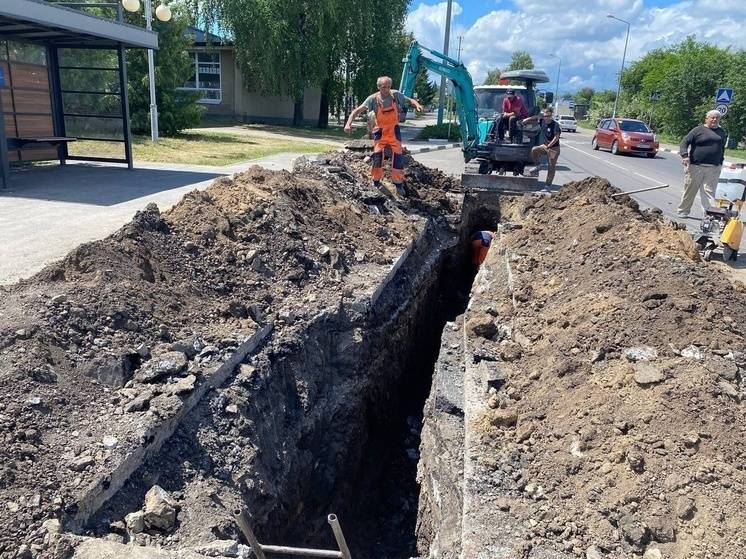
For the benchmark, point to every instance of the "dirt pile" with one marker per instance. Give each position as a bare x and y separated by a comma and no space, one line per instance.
113,336
617,423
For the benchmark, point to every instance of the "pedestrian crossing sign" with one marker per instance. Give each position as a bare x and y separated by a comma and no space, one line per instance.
724,95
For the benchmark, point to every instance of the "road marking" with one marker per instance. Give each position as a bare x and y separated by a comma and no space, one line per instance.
601,159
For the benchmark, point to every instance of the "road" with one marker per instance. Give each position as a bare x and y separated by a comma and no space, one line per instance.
626,172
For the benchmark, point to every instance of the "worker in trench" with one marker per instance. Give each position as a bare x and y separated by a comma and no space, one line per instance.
480,246
387,105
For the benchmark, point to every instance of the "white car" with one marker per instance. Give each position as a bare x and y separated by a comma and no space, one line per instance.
567,123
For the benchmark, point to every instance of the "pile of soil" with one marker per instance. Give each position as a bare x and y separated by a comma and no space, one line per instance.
618,428
106,339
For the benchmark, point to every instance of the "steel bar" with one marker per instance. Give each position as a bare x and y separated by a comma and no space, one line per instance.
243,523
337,529
301,551
640,190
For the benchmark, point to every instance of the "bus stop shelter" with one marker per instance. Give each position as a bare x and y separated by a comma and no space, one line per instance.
63,79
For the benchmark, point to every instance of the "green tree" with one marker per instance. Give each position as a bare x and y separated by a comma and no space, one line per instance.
424,88
520,60
493,77
177,109
584,95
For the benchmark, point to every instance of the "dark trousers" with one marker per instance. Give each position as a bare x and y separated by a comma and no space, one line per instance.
511,122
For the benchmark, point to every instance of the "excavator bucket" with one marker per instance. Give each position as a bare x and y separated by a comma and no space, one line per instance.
499,183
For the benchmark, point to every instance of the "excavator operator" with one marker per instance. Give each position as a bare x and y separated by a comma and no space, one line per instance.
386,134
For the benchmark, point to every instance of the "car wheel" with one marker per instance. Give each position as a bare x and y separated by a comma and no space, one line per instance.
594,143
651,155
615,148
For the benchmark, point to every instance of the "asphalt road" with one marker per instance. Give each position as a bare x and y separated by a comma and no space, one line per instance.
627,172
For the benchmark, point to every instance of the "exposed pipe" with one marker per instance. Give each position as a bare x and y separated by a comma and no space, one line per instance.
243,523
339,536
639,190
302,552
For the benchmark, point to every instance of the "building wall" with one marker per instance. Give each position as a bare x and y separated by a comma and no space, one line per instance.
240,103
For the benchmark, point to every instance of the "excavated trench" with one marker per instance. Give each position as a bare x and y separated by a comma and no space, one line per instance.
325,417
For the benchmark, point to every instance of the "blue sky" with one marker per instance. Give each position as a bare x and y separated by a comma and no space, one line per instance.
589,44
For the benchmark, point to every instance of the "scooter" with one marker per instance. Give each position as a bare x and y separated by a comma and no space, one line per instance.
723,220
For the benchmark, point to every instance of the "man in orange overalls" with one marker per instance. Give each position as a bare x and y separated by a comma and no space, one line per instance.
480,246
386,105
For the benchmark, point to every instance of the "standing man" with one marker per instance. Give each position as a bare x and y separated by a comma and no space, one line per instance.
551,148
702,152
513,109
386,105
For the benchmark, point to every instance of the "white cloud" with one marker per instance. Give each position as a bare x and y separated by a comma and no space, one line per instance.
589,43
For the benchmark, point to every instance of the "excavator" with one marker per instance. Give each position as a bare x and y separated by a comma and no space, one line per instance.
490,164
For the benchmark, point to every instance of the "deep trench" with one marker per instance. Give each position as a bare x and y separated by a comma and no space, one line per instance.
365,472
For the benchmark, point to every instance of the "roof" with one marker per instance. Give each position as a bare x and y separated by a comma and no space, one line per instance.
41,22
202,37
500,87
536,76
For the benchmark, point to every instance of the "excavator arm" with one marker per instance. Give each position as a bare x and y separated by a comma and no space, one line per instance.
463,89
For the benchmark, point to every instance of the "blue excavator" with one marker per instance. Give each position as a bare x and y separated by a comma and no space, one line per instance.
490,163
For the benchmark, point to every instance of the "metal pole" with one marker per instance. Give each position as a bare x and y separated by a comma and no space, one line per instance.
445,51
243,523
337,529
639,190
556,87
151,75
624,55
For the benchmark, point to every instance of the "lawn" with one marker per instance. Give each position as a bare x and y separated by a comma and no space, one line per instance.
199,148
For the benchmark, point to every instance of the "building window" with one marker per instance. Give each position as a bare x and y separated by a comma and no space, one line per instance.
206,77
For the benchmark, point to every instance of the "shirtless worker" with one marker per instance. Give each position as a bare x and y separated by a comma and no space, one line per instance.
385,105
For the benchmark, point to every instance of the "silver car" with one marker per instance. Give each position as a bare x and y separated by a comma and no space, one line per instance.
567,123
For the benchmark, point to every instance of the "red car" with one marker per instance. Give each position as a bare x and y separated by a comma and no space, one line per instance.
625,135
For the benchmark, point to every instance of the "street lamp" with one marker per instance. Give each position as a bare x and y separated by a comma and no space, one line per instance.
624,55
163,13
556,87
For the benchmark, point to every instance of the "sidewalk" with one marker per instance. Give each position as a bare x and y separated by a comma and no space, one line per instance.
48,211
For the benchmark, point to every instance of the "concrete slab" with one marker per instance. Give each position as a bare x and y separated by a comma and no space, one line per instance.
47,211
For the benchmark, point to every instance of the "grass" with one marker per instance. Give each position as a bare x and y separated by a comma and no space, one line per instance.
199,148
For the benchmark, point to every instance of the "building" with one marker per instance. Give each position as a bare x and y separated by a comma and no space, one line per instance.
227,94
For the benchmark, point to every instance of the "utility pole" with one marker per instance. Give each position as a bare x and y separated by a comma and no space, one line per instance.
624,55
460,37
445,51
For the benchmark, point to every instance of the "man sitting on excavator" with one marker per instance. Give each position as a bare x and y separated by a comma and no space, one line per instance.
514,110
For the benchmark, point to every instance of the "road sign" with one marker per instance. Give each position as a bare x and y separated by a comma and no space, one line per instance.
722,109
724,96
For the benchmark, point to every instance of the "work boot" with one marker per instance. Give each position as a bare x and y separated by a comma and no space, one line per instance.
400,189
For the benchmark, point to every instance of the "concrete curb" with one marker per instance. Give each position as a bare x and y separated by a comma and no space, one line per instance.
425,149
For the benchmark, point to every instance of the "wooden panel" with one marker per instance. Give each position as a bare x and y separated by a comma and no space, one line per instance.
28,75
34,126
10,126
4,66
7,99
33,102
39,154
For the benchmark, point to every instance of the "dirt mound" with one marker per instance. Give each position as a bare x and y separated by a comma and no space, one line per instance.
92,343
619,426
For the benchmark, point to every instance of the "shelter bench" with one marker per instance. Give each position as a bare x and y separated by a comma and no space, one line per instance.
19,143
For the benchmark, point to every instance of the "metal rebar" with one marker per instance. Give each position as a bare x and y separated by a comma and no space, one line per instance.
243,524
639,190
302,552
337,529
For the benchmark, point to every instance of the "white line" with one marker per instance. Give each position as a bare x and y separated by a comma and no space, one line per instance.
601,159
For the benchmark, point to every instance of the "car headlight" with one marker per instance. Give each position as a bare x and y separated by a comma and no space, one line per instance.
625,137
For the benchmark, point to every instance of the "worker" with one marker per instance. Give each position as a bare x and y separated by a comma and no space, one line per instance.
514,110
386,105
550,147
480,246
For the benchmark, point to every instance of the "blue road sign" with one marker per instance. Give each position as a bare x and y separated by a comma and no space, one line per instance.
724,96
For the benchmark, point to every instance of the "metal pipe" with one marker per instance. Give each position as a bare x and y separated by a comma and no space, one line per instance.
337,529
640,190
243,524
302,552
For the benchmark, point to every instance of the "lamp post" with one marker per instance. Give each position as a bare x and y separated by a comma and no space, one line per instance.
445,51
163,13
556,87
624,55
